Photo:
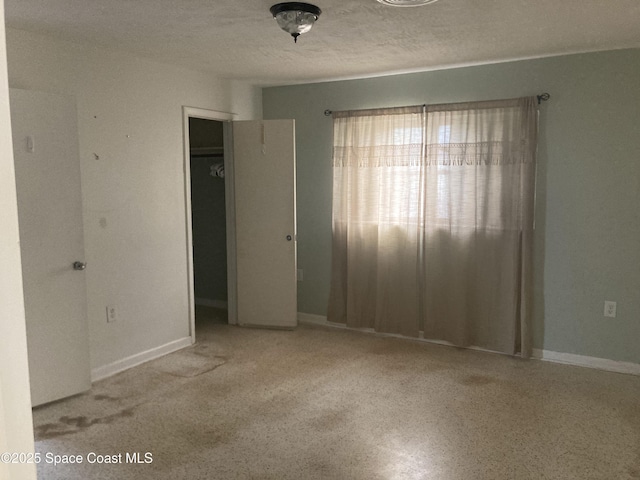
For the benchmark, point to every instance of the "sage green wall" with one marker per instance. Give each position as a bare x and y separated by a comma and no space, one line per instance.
587,243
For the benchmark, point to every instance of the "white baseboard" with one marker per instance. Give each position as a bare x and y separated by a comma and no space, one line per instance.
205,302
317,320
546,355
310,318
118,366
589,362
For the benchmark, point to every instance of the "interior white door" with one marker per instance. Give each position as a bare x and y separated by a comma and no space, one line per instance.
45,143
265,215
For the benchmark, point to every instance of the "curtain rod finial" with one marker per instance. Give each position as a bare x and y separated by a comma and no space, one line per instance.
543,97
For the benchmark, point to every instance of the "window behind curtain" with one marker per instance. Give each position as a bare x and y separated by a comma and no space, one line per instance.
432,221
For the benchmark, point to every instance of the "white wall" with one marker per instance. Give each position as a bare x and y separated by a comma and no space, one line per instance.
130,116
16,428
246,98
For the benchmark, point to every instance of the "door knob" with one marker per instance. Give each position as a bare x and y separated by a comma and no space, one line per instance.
288,238
79,265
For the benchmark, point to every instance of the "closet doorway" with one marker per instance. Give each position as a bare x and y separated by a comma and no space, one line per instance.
260,220
208,220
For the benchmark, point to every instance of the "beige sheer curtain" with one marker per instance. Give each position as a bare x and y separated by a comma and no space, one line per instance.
433,221
377,164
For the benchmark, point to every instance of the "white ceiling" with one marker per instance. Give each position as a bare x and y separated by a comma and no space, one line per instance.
353,38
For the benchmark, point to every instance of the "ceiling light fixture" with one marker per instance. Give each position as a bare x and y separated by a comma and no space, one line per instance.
295,18
406,3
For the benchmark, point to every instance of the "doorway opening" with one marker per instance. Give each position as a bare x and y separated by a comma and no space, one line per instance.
208,220
210,214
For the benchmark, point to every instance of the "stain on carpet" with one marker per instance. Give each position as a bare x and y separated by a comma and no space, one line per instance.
187,363
67,425
330,420
105,397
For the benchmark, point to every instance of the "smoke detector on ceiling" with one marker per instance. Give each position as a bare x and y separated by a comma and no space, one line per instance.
406,3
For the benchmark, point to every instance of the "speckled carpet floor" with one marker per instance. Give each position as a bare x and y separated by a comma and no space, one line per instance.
321,403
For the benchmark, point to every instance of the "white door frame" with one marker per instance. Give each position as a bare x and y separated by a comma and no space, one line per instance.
193,112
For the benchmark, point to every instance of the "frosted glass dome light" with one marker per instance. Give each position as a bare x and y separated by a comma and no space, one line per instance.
295,18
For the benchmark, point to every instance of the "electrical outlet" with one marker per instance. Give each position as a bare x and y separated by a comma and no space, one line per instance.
300,275
112,314
610,308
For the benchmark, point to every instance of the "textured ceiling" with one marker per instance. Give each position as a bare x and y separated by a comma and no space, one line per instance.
353,38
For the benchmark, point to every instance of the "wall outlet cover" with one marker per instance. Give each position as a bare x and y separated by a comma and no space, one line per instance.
112,314
610,309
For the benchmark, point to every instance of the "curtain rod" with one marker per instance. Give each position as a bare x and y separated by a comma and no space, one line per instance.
543,97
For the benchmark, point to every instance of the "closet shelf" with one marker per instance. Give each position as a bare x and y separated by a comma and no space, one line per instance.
207,151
